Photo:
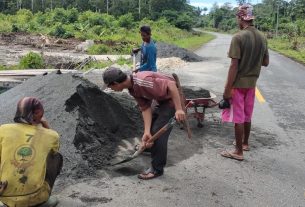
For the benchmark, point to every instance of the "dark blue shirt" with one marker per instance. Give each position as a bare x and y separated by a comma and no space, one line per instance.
148,57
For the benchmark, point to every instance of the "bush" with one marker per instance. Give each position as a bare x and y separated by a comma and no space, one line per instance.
72,15
24,15
184,21
59,31
31,61
171,16
21,20
5,26
126,21
59,15
91,18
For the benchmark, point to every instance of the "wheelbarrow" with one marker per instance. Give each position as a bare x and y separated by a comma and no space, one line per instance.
200,105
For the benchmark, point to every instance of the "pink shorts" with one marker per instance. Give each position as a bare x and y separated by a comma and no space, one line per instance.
242,104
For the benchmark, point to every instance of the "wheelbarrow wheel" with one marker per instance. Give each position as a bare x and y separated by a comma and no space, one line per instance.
199,125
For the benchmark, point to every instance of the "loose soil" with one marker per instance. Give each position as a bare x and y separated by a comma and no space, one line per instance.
193,93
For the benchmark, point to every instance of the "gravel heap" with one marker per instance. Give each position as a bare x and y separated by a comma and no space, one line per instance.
91,123
165,50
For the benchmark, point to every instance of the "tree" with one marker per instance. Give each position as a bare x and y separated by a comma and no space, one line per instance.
205,9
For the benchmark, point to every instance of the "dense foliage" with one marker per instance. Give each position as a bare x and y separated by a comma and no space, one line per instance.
291,17
116,35
137,9
282,22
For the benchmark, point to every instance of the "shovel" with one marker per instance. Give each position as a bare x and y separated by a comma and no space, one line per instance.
134,66
167,126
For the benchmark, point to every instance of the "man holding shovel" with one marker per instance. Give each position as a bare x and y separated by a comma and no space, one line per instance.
147,87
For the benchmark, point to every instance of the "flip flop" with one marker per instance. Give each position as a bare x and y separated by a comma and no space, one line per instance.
231,155
154,173
244,148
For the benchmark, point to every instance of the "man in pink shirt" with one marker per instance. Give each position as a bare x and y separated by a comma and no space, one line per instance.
147,87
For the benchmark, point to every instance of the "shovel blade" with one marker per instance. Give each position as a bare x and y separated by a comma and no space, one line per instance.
127,159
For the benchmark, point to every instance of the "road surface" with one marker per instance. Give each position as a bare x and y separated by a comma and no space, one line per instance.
272,174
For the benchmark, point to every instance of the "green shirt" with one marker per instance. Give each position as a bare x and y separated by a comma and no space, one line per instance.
249,46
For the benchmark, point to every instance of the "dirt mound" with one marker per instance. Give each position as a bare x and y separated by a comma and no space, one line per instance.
167,50
90,122
103,121
170,63
193,93
37,41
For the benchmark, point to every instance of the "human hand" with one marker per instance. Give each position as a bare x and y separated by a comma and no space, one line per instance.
135,51
227,94
180,115
146,140
45,123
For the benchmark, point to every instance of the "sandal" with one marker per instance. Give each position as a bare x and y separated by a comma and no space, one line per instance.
149,174
231,155
245,148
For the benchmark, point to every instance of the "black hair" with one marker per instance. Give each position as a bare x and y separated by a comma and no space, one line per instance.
114,75
145,29
121,77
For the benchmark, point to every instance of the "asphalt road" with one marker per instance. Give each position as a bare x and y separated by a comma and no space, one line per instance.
272,173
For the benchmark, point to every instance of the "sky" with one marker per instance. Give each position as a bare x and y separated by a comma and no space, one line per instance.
209,3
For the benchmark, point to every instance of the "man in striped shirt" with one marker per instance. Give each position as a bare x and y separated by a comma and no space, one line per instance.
147,87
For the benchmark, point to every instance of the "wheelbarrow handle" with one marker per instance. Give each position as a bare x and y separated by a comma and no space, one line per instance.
182,100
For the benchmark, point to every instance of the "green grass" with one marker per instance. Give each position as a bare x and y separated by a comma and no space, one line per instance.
9,67
123,61
106,63
284,47
194,42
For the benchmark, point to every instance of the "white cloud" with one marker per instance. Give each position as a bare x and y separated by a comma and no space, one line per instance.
209,5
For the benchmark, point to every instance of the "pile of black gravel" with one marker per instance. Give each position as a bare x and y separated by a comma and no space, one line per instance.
193,93
90,122
165,50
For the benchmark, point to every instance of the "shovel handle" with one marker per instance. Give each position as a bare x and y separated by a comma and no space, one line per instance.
134,61
161,131
158,134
